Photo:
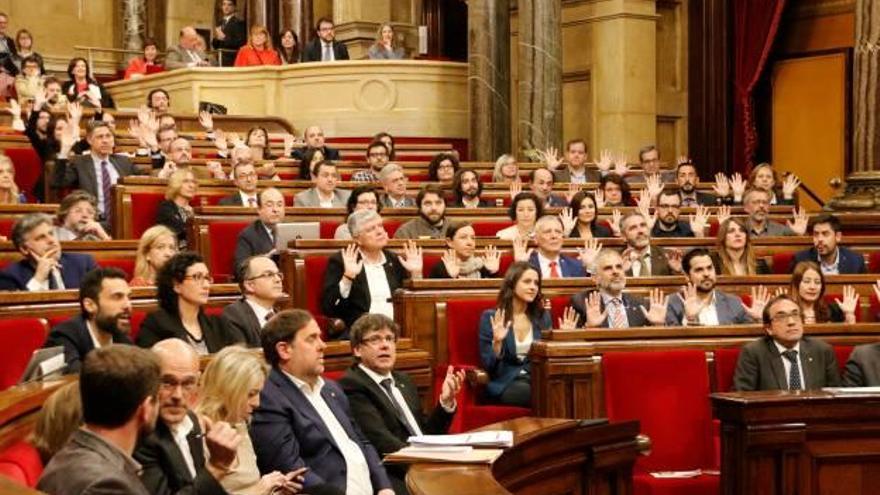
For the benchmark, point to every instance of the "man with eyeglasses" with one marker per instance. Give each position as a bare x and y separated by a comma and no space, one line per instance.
386,402
173,457
244,175
377,158
667,223
258,238
261,287
324,47
785,359
756,203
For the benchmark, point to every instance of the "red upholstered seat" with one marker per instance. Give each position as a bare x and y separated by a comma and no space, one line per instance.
137,317
391,226
489,228
124,264
781,261
21,462
668,393
328,228
316,266
842,352
27,168
725,366
222,237
6,226
462,337
334,375
428,262
874,262
557,308
144,206
19,338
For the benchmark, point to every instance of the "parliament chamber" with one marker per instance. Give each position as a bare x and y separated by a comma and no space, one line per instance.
644,237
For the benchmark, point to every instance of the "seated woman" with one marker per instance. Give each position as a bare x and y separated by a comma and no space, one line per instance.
765,177
808,291
60,416
157,245
83,88
362,277
311,156
508,330
182,289
258,141
141,66
258,50
506,169
442,168
586,213
288,48
175,209
230,391
525,210
24,42
460,260
385,47
361,198
613,192
9,193
30,82
733,253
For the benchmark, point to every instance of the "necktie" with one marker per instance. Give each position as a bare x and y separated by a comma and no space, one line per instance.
554,273
269,315
252,202
794,375
644,271
328,55
53,282
617,315
387,384
688,202
106,189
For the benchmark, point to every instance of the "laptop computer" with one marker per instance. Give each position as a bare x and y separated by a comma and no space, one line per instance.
44,363
286,232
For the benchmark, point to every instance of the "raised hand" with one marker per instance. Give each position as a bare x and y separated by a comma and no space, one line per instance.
615,222
692,302
14,109
654,186
521,249
451,386
738,186
268,170
222,441
167,169
849,304
659,302
45,263
234,139
491,259
216,169
40,100
220,140
621,168
801,220
134,131
588,254
790,185
568,220
288,144
74,112
682,159
595,316
352,266
700,220
723,214
760,296
500,329
629,256
450,261
780,291
605,161
569,319
721,186
206,120
412,259
572,190
515,188
600,198
550,157
68,139
644,207
673,258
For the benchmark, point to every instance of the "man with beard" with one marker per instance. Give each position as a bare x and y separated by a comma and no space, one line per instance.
324,47
609,306
785,359
687,178
431,222
667,223
701,304
466,187
833,259
259,237
104,299
261,286
118,387
173,456
756,202
377,158
76,214
640,258
548,258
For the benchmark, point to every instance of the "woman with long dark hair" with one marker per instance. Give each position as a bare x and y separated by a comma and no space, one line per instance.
808,291
84,88
288,47
586,213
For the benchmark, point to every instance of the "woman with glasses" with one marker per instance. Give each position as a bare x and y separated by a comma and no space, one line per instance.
461,260
442,168
808,291
361,198
260,283
182,288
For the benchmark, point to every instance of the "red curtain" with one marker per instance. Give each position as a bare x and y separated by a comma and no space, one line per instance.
755,23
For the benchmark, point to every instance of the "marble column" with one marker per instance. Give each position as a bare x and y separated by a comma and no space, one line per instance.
489,78
297,15
133,23
540,74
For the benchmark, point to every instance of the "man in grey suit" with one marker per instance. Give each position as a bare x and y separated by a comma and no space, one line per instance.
863,367
324,194
118,387
701,304
641,259
259,237
260,283
785,359
394,184
186,53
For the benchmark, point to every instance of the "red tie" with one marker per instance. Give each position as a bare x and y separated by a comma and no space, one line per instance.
554,273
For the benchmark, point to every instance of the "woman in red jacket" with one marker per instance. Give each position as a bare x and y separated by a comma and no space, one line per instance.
258,51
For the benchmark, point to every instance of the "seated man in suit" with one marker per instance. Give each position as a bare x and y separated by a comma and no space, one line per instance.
467,187
362,277
649,159
785,359
548,258
431,222
105,318
173,457
668,223
259,237
187,52
701,304
325,48
541,183
261,286
245,177
687,178
575,170
833,258
377,158
609,306
756,203
640,258
386,402
118,387
863,367
314,138
77,216
44,266
324,193
394,184
304,420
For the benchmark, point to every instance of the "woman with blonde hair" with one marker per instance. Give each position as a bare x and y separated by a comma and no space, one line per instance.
157,245
506,169
175,210
385,47
59,417
258,50
733,251
9,193
230,391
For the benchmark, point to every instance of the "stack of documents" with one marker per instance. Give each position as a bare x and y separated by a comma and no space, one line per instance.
491,438
454,448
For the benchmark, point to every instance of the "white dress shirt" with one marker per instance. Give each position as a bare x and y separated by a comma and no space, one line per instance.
246,198
179,433
708,316
637,267
259,311
99,177
377,282
93,335
396,396
34,286
544,263
786,364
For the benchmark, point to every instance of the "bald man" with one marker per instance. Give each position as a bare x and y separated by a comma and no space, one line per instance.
173,457
187,52
314,138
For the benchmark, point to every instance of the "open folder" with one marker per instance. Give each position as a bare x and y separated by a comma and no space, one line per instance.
458,455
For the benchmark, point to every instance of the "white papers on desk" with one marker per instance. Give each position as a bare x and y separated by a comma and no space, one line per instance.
52,365
452,454
491,438
852,390
677,474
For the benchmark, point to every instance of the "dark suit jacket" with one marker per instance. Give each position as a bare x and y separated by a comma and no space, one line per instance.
598,230
312,52
252,241
659,263
568,266
760,366
376,415
74,267
761,266
233,199
73,335
729,308
563,174
682,229
849,262
483,204
631,304
358,300
236,36
554,200
330,154
165,471
505,368
288,433
79,172
168,215
161,325
707,199
863,367
243,321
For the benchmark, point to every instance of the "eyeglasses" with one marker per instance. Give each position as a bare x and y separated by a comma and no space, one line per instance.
200,278
378,155
377,340
268,275
780,317
367,202
670,207
168,384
